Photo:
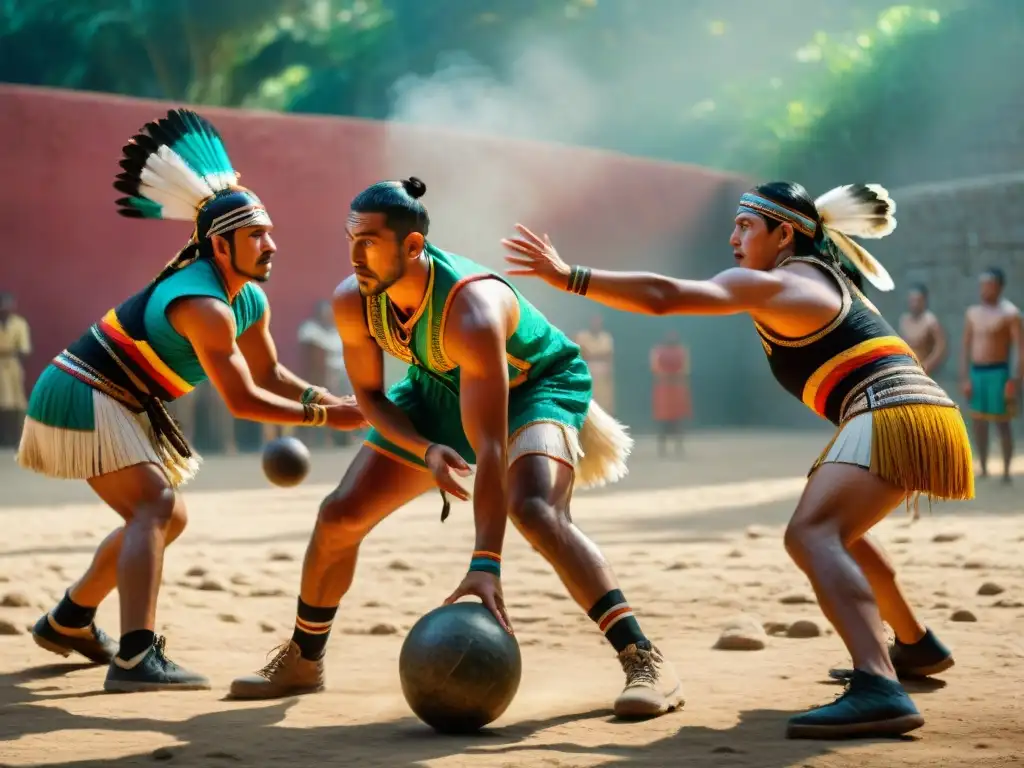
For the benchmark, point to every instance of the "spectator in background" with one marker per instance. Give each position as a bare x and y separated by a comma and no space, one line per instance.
323,362
598,348
921,329
992,336
670,366
15,346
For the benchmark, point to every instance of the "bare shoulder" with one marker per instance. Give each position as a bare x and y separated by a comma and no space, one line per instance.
347,298
347,290
931,319
206,322
799,273
808,282
1009,309
192,313
484,314
482,304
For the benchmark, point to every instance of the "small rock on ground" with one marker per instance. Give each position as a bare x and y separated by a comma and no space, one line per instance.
742,634
803,629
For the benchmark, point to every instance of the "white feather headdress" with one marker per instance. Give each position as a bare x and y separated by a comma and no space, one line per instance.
859,210
175,167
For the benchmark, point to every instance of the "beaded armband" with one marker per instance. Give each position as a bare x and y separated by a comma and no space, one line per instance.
313,396
488,562
314,415
579,280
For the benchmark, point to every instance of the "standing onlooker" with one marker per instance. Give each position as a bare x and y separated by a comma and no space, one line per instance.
992,334
323,361
670,365
921,329
598,348
15,345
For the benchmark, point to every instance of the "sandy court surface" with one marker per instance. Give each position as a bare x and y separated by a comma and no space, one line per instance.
679,535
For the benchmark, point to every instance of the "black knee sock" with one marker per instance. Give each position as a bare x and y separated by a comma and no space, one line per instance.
135,643
312,628
70,614
615,619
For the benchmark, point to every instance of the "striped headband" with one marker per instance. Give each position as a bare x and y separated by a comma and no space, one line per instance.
247,216
751,203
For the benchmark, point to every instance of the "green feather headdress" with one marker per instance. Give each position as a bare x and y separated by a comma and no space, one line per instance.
178,168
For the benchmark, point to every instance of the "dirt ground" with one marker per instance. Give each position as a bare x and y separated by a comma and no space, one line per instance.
678,532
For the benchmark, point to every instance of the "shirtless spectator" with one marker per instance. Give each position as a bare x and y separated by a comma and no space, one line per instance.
992,332
921,329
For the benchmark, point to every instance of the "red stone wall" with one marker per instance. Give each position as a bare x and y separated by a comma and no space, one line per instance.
68,256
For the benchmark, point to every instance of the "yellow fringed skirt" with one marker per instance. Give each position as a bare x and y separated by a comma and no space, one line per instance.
921,448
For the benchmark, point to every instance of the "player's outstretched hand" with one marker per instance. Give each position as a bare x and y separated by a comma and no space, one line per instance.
535,257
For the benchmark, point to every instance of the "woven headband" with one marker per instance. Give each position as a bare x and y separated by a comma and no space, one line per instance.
751,203
249,216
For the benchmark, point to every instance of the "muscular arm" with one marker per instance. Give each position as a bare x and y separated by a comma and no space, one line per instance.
260,352
652,294
364,362
484,314
1016,345
210,327
903,329
727,293
939,345
965,351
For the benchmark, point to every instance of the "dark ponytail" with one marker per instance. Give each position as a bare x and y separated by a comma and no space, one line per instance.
190,254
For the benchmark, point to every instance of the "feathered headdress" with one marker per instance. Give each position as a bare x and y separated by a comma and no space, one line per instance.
859,210
853,210
178,168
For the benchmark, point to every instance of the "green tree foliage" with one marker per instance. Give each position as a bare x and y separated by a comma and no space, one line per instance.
174,49
706,85
778,114
938,85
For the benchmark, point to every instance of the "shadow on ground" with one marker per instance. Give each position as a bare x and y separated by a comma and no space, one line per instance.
241,736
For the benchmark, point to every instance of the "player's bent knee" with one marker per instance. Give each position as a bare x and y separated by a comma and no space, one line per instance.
800,539
537,518
341,515
161,510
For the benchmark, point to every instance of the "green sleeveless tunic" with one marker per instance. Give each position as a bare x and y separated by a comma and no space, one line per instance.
60,400
548,379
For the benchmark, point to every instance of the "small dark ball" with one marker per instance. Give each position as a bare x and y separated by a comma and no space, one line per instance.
286,461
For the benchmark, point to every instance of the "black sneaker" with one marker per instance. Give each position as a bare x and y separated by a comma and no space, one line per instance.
92,642
871,706
152,671
927,657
